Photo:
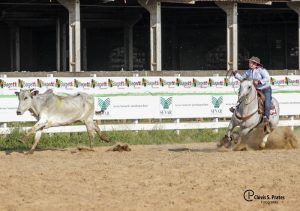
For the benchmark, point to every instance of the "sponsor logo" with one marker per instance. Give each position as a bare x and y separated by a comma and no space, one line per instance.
80,84
41,83
100,85
60,83
103,105
293,82
216,102
28,85
163,82
146,82
275,82
4,84
132,83
180,82
197,83
118,84
166,106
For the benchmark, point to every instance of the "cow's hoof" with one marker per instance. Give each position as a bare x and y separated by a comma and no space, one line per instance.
104,138
84,149
30,152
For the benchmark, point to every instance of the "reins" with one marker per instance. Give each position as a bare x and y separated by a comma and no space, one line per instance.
245,118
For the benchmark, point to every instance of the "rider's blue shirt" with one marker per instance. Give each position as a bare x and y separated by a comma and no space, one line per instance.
259,74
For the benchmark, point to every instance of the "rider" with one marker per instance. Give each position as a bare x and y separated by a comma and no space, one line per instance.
261,78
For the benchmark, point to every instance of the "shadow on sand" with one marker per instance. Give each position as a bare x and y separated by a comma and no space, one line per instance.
23,151
183,149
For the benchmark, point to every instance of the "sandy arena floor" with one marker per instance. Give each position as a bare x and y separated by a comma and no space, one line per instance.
165,177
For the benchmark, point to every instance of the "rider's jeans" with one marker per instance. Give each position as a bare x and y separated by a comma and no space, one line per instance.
268,96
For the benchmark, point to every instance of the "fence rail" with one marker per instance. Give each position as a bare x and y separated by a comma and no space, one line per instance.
146,126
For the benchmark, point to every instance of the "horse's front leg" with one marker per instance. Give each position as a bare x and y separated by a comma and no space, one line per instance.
228,136
230,128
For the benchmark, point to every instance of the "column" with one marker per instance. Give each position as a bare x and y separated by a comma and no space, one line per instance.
154,9
73,7
231,11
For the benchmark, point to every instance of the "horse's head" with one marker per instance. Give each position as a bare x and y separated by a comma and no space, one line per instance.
246,89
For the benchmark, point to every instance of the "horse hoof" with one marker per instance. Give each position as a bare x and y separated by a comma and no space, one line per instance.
262,145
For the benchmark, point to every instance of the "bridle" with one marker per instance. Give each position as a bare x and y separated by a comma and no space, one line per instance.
245,118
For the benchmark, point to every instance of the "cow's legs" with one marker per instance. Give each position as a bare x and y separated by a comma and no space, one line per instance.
39,125
101,136
37,138
91,132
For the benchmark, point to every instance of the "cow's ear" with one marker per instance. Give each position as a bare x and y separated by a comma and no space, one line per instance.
34,93
17,93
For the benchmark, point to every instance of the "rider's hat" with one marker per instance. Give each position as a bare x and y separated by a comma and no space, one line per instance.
255,60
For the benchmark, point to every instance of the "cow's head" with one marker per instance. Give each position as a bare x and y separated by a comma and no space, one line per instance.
25,100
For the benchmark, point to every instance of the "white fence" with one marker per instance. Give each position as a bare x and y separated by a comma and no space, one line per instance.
136,98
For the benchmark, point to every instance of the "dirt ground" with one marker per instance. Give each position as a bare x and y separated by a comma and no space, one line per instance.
161,177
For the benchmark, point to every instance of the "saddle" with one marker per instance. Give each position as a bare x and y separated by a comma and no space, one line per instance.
261,103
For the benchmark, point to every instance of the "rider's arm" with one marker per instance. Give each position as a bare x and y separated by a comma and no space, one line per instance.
265,76
241,77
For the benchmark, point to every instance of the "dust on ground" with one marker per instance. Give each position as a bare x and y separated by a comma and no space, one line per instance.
155,177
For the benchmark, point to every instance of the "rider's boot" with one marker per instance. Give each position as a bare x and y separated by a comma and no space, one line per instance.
232,109
266,123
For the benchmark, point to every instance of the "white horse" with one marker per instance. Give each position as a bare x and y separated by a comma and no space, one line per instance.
247,115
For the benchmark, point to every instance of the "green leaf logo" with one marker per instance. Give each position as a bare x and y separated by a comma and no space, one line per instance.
166,102
104,104
217,101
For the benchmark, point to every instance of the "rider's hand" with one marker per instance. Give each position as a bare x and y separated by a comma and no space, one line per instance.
255,82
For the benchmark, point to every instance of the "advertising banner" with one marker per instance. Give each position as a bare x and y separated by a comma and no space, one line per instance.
149,97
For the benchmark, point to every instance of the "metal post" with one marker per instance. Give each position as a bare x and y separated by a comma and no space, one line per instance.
154,8
231,11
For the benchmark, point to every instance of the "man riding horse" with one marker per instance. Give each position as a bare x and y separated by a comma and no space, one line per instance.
260,78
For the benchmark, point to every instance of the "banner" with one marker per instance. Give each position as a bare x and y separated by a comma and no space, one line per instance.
149,97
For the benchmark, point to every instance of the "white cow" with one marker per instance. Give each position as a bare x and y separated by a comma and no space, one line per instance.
52,110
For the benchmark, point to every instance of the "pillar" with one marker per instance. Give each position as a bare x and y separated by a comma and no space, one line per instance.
231,11
73,7
154,8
